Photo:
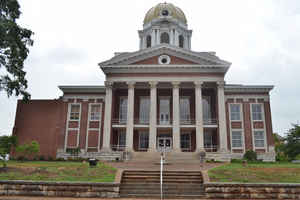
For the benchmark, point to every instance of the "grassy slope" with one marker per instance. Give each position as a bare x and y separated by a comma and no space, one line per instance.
57,171
256,173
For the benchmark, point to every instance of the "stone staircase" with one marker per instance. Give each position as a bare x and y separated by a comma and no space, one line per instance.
176,184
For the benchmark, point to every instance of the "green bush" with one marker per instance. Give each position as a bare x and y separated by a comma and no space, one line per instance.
42,158
250,155
236,160
282,157
50,158
60,159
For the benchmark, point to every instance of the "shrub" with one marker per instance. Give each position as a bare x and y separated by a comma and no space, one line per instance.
60,159
250,155
50,158
41,158
236,160
282,157
20,158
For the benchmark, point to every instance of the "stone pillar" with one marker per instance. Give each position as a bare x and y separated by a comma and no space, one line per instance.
153,38
153,115
176,39
222,117
107,116
158,36
141,42
176,117
130,115
199,116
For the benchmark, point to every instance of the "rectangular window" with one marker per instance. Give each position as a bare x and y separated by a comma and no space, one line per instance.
144,110
121,139
95,112
164,111
123,110
206,106
257,112
236,139
235,112
143,140
185,114
74,112
185,141
259,139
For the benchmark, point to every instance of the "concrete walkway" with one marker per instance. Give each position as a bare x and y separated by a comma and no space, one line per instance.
60,198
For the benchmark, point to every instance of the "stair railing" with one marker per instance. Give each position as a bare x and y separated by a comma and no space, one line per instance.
161,174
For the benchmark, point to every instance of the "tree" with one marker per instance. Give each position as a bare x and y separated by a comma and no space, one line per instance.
292,142
6,143
29,150
14,43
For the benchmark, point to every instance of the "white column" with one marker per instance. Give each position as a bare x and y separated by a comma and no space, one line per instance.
199,116
107,116
176,39
158,36
171,36
141,42
176,118
130,115
153,38
222,117
153,115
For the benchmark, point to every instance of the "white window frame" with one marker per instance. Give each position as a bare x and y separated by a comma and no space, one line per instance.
189,115
125,119
90,112
187,133
69,112
242,138
259,129
140,134
240,106
262,112
169,114
140,119
264,134
208,99
119,136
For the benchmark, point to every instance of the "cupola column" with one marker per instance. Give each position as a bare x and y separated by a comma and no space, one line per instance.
107,117
199,116
153,115
130,115
176,118
222,117
153,38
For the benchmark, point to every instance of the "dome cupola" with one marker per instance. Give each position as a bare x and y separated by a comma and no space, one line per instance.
165,24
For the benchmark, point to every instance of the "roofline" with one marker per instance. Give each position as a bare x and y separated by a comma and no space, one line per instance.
82,89
248,88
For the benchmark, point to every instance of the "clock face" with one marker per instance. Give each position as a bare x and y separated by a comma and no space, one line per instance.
165,12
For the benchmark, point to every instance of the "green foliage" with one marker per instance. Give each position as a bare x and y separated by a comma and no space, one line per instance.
250,155
6,143
236,161
14,44
28,150
73,151
291,146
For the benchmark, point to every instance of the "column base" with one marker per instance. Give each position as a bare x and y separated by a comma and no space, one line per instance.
200,150
151,150
177,150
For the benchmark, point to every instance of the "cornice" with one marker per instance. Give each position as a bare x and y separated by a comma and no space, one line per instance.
248,88
164,69
82,89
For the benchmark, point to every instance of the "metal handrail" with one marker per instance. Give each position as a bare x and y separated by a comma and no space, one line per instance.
210,148
211,121
187,121
117,147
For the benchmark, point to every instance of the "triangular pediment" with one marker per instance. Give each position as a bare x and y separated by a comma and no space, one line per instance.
178,56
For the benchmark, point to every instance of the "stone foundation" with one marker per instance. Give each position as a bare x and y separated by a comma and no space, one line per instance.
59,189
251,191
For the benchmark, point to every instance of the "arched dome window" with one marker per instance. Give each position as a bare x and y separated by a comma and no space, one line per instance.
164,38
148,41
181,41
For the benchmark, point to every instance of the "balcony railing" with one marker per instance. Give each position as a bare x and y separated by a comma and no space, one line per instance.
118,121
164,122
141,121
211,121
117,147
187,121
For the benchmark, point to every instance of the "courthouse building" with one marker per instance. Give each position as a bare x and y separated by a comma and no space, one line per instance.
163,96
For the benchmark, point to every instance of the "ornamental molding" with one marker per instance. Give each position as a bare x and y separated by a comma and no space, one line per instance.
248,88
197,57
119,69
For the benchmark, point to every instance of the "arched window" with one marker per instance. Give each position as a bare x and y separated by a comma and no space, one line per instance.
148,41
164,38
181,41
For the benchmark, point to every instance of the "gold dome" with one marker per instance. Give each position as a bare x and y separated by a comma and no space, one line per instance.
170,9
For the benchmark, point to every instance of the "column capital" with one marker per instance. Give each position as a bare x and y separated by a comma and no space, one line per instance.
221,84
153,84
175,84
130,84
108,84
198,83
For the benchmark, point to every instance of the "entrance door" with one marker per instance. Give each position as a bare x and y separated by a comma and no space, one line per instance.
164,110
164,143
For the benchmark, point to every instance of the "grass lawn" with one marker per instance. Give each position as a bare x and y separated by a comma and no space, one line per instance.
256,173
57,171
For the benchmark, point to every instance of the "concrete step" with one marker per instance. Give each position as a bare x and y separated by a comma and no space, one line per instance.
157,186
167,196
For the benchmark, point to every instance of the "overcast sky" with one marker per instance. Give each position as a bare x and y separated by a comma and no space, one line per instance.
260,38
